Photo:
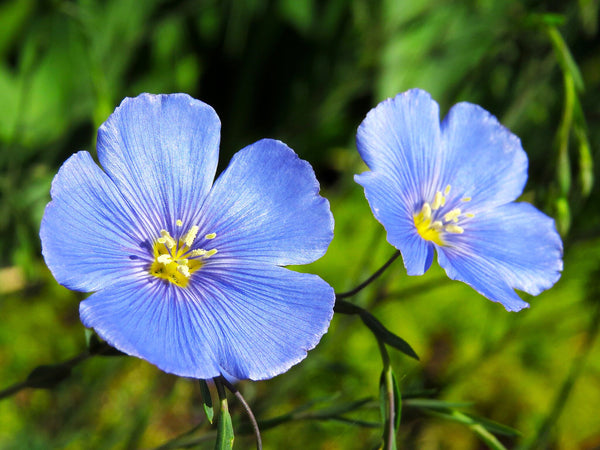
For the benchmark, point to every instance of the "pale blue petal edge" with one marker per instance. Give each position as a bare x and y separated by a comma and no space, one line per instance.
162,152
482,159
401,137
251,323
90,236
514,246
266,207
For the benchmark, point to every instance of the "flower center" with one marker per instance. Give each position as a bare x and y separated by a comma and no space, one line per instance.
433,221
175,260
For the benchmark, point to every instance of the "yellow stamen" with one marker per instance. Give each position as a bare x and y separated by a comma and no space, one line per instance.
432,225
426,211
188,238
167,239
210,236
179,223
438,201
424,226
452,215
176,261
454,229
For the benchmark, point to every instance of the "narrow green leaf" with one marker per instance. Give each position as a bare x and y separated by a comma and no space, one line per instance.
488,438
378,329
564,57
382,333
432,403
397,401
494,427
586,162
224,429
207,403
563,215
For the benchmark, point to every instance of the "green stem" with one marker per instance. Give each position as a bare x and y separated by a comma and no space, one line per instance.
389,431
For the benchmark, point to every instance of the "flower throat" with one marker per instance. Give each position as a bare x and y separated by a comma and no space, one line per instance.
175,260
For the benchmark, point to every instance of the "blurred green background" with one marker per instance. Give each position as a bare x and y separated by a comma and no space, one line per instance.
307,72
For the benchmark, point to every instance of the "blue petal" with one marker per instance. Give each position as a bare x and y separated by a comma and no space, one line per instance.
514,246
394,214
401,136
482,159
161,151
244,321
90,236
266,207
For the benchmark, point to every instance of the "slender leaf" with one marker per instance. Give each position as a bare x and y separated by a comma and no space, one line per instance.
207,403
225,433
378,329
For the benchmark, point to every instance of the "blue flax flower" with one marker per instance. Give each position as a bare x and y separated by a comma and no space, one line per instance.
186,274
451,187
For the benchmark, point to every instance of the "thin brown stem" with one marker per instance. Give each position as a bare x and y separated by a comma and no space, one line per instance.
369,280
242,400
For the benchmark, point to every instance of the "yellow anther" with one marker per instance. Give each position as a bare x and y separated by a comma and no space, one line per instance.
452,215
176,262
438,201
164,259
188,238
469,215
437,225
465,199
167,239
184,270
426,211
210,253
454,229
447,190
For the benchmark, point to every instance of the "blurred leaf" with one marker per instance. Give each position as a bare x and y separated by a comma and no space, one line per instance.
299,14
563,216
479,427
564,57
586,162
431,403
13,15
563,166
588,12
